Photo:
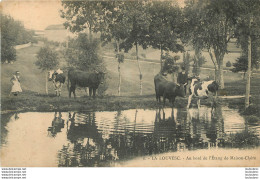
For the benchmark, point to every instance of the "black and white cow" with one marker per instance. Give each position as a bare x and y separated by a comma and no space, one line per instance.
58,78
202,90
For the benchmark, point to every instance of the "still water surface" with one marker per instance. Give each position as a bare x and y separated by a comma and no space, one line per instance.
70,139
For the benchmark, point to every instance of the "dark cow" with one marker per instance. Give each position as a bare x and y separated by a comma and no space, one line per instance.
92,80
58,78
169,90
202,90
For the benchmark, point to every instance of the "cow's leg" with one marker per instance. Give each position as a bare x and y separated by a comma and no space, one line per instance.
70,92
74,93
198,103
55,87
90,91
58,88
94,92
73,88
213,102
189,101
157,96
164,99
61,84
173,99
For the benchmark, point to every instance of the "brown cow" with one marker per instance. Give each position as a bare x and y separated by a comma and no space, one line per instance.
169,90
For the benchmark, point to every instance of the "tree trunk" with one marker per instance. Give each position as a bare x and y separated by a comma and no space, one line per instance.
161,59
197,67
119,82
213,58
90,33
46,84
119,70
248,78
218,63
139,67
221,75
216,78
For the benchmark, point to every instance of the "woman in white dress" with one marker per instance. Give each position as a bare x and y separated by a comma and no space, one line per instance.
15,80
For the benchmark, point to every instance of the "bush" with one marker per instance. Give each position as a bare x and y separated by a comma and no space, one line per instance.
143,55
169,65
83,54
228,64
47,58
8,53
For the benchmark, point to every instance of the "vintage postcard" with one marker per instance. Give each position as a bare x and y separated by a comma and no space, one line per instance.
130,83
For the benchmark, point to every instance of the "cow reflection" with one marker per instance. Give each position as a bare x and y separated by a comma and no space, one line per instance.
206,127
56,125
86,147
165,131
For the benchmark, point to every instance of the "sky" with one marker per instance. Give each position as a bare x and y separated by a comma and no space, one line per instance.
36,14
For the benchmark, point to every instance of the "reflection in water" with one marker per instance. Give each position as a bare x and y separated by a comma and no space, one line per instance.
56,125
100,138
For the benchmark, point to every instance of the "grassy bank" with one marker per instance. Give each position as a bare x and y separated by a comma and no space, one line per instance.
36,102
34,98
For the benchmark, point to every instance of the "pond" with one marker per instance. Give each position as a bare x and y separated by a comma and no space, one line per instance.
70,139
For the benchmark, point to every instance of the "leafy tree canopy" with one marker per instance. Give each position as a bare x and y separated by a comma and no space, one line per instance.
83,54
12,33
47,59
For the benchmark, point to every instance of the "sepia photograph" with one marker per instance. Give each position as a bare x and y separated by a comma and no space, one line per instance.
130,83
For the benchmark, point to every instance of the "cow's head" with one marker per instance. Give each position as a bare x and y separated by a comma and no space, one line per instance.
50,74
213,87
100,76
181,90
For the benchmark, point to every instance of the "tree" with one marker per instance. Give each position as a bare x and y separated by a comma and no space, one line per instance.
240,65
169,65
47,60
138,21
81,15
228,64
213,23
12,33
83,54
198,61
164,29
248,28
114,27
94,16
9,30
186,62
